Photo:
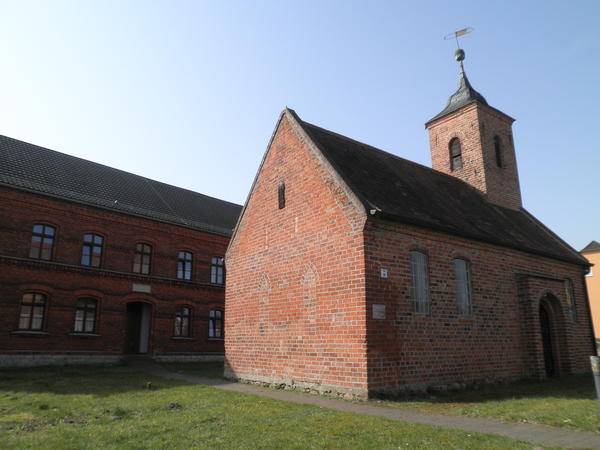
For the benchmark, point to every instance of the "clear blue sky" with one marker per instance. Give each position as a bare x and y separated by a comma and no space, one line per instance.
188,92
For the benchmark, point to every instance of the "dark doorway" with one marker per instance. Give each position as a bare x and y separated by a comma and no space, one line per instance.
138,328
547,330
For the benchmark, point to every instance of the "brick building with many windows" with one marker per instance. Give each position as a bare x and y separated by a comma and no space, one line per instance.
357,272
96,263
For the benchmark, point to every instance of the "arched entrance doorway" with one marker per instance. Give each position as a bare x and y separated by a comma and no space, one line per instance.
548,332
553,336
137,340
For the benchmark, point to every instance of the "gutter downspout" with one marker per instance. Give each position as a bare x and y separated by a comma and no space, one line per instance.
589,312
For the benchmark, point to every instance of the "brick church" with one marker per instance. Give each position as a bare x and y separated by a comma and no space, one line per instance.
97,263
356,272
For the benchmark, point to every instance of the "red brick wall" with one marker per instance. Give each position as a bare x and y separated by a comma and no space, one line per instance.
476,125
499,340
64,280
295,289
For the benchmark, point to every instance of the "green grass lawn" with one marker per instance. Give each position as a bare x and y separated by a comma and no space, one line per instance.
213,369
72,408
563,402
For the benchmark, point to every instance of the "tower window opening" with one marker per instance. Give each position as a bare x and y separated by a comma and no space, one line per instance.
455,155
498,151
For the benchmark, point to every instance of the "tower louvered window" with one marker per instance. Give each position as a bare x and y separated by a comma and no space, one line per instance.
498,151
455,155
420,282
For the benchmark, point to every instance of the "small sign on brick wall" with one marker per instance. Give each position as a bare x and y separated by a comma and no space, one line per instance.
378,311
384,273
145,288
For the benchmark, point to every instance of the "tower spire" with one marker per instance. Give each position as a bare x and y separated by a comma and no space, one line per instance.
472,141
465,93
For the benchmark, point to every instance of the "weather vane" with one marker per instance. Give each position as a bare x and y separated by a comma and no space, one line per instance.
460,53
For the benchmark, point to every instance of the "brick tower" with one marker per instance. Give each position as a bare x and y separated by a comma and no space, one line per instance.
472,141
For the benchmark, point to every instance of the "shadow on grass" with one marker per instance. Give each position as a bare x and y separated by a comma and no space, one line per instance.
572,387
211,370
84,380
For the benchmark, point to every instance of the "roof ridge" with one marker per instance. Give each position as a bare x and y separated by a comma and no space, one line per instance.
115,169
405,160
43,171
593,246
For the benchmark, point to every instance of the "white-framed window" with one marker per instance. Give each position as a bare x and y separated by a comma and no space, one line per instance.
215,323
217,271
182,321
85,315
33,311
184,266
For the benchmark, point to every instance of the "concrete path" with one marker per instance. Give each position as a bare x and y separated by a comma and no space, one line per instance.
539,434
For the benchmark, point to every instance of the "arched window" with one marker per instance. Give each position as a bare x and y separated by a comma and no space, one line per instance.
33,309
462,276
182,321
91,251
498,151
455,155
281,195
142,258
42,241
184,266
570,296
215,324
85,315
419,272
217,270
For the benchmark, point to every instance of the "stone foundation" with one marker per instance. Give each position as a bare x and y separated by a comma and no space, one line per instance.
36,360
295,385
188,357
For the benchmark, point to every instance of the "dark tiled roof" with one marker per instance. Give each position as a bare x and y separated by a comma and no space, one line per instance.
462,97
593,246
37,169
403,191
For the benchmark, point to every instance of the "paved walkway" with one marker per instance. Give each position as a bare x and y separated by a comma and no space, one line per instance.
539,434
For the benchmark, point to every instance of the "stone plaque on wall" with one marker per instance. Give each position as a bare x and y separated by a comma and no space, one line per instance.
378,311
145,288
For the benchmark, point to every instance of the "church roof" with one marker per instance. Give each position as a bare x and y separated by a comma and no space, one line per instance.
40,170
399,190
593,246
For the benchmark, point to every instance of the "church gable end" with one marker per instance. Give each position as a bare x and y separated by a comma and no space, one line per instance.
295,286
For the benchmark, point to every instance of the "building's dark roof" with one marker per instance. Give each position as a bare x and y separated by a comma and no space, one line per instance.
593,246
37,169
462,97
404,191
